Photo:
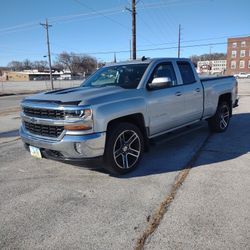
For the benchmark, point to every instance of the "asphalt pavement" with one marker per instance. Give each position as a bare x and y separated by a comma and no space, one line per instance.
46,204
212,208
23,87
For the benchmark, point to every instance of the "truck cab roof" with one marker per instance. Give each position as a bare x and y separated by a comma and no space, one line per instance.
147,61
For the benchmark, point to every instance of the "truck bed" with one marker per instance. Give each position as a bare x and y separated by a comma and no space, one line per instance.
203,79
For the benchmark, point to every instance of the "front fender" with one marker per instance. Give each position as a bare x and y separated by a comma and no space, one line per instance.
105,113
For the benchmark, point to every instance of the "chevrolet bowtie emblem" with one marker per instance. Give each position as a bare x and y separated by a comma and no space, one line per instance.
33,120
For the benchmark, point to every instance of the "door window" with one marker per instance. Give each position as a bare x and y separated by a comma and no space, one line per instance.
187,73
164,70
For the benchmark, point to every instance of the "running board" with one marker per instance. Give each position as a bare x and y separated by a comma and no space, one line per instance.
177,133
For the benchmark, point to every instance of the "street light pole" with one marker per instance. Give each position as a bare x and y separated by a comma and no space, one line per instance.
46,26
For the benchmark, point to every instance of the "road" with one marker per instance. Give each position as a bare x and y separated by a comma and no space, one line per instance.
51,205
10,102
211,208
34,86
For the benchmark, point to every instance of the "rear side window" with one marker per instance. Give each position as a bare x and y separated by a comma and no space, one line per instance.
187,73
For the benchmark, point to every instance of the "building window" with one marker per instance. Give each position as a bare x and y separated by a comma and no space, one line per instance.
249,64
242,64
233,65
242,53
243,44
234,45
234,53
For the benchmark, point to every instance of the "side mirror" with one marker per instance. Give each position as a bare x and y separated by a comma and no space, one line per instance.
160,83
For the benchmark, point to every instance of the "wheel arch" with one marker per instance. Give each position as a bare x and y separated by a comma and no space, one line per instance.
227,97
136,119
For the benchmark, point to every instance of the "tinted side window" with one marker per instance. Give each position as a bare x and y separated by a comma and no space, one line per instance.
187,73
164,70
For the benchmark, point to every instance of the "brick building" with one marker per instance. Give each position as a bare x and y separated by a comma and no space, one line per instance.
238,55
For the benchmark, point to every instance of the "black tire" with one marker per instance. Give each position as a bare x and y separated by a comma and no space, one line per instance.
124,148
220,121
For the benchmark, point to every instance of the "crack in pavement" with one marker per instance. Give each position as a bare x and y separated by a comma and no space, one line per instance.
155,219
5,142
10,111
224,152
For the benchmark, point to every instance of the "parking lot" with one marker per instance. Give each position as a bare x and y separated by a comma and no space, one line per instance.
162,205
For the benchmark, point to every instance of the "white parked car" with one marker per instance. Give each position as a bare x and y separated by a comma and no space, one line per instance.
242,75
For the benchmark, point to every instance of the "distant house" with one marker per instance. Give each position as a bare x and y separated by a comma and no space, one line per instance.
214,67
238,55
30,75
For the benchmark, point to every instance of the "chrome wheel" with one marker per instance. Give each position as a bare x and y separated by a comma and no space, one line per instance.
127,149
224,117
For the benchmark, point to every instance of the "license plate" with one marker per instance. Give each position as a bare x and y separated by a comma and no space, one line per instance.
35,152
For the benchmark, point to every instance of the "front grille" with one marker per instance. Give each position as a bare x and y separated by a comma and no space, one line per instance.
44,130
43,113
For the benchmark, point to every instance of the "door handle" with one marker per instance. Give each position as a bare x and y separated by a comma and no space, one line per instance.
198,90
178,93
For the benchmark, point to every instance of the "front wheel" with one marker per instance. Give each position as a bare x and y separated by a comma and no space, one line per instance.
220,121
124,148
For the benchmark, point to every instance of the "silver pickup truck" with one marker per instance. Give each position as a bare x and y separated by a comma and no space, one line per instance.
118,109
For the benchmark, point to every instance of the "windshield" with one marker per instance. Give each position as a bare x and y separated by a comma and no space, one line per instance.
126,76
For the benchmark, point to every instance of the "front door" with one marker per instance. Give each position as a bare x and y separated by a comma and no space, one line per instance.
166,106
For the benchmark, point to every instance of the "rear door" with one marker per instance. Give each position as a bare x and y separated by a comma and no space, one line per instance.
192,91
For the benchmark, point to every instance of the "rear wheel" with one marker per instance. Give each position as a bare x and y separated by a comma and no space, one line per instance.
124,148
220,121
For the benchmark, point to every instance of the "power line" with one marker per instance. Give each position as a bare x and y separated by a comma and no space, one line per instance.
104,13
198,40
153,22
101,13
107,17
154,49
151,49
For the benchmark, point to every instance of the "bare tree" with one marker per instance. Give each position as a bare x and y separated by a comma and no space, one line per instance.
66,60
27,64
77,64
58,66
40,65
208,57
15,65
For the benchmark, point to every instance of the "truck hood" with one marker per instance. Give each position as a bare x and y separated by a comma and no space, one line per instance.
82,95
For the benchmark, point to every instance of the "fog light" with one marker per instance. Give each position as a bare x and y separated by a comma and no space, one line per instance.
78,147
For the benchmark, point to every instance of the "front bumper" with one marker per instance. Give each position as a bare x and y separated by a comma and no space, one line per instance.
91,145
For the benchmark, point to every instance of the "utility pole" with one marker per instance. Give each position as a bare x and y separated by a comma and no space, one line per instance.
133,13
134,28
130,52
46,26
210,50
179,41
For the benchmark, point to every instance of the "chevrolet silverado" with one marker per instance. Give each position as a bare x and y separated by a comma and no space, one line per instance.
118,109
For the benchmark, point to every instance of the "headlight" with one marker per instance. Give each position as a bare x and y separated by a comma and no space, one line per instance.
85,114
80,119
